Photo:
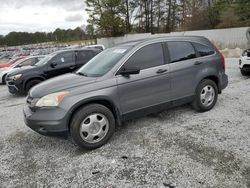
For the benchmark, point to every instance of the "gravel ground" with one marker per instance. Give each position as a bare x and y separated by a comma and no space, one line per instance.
178,148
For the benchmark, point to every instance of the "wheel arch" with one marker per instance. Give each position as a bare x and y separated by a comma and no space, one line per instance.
3,78
32,78
214,78
102,101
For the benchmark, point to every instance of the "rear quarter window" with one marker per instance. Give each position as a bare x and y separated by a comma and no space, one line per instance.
203,50
180,51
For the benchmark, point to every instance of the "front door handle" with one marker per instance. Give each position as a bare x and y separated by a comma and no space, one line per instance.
160,71
198,63
72,67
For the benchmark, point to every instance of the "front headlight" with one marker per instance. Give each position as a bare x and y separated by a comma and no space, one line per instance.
15,77
52,99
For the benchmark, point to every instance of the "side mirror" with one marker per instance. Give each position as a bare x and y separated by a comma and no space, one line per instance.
18,66
248,54
53,64
129,70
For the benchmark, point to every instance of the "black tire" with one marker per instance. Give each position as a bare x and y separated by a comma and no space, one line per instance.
197,103
31,84
244,73
4,77
84,113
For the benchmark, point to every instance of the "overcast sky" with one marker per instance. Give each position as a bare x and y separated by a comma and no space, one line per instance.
41,15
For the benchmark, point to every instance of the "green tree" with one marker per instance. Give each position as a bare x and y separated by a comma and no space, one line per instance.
243,11
107,16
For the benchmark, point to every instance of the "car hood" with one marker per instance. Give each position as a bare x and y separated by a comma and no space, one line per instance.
20,70
60,83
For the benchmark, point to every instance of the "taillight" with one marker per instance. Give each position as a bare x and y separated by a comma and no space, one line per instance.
222,58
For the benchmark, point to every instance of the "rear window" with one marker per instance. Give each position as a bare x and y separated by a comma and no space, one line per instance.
203,50
180,51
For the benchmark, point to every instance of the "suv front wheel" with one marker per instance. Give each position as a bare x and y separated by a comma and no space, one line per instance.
92,126
206,96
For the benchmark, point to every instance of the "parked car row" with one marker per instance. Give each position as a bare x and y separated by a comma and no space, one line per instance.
22,80
127,81
10,53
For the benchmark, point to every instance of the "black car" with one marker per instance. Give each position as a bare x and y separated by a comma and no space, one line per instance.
55,64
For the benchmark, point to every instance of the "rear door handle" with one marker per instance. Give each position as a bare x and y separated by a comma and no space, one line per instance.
198,63
160,71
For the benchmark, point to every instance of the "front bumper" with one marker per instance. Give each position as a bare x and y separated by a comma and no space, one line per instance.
46,121
14,86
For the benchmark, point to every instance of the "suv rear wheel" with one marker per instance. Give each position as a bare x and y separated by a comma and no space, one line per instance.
92,126
206,96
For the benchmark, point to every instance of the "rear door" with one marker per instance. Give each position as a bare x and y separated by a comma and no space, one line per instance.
184,67
150,87
62,63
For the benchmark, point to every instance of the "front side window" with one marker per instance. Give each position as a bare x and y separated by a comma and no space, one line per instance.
203,50
103,62
180,51
147,57
45,60
63,58
84,56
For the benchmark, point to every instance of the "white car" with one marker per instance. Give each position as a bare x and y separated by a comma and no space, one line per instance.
244,63
28,61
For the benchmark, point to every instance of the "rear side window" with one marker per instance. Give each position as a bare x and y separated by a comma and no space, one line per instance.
147,57
84,56
180,51
203,50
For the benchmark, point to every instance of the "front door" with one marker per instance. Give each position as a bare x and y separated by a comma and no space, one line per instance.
151,86
60,64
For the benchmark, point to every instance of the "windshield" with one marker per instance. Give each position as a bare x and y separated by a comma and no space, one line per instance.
103,62
18,62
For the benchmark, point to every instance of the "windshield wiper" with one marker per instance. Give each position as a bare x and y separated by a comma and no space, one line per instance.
82,74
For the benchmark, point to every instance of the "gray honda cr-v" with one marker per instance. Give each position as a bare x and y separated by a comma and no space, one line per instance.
130,80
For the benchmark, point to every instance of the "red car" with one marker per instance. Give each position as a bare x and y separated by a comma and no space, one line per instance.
11,61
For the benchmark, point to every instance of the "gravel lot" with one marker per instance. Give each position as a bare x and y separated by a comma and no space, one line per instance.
178,148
